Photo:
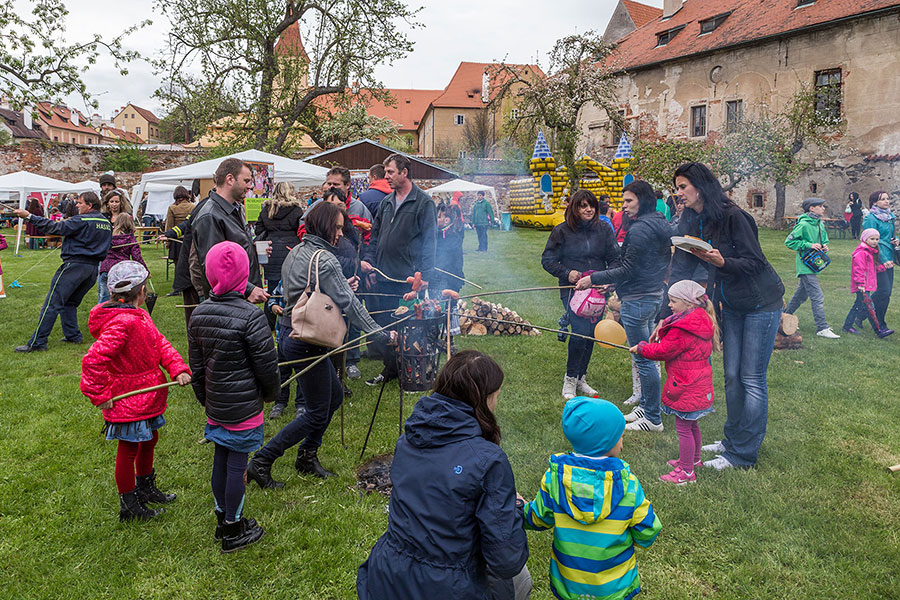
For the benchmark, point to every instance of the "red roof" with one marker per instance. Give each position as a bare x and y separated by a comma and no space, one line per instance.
121,134
149,116
60,117
291,43
464,89
409,108
641,14
749,21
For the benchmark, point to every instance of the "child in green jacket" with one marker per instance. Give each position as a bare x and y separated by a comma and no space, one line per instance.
596,505
810,232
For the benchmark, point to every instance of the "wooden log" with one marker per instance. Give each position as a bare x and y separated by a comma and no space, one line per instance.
788,342
477,329
894,469
789,324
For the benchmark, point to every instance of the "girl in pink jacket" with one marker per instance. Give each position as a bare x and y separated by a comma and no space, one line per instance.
863,281
685,341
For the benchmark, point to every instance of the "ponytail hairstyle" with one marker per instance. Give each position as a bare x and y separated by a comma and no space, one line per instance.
717,335
471,377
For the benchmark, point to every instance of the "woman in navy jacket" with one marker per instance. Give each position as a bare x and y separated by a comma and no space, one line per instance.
455,530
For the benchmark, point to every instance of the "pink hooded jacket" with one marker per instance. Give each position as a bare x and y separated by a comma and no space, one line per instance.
862,269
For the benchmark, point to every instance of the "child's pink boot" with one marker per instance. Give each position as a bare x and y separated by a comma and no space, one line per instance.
679,477
697,465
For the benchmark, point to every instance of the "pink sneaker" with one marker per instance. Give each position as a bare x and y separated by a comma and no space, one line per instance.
698,464
679,477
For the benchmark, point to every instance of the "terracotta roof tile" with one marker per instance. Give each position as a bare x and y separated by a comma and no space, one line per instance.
149,116
291,43
641,14
16,125
59,116
749,21
409,108
464,89
121,134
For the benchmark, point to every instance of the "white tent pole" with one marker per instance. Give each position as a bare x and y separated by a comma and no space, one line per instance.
19,228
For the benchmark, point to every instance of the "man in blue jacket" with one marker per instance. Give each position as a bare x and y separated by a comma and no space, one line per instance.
88,236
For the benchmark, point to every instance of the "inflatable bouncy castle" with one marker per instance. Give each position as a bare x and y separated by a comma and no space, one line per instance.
539,201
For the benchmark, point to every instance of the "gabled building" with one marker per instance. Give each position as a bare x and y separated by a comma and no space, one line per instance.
139,121
19,127
701,65
441,129
66,125
628,16
114,135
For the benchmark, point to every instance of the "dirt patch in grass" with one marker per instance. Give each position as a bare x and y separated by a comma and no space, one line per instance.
375,475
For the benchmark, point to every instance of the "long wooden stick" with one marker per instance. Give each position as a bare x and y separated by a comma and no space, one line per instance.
341,348
144,390
380,272
578,335
303,360
534,289
894,469
472,283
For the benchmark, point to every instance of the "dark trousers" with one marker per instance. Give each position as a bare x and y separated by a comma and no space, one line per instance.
67,288
863,308
580,349
855,222
323,394
286,371
881,297
481,230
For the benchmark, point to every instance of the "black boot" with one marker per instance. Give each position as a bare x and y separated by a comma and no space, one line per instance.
240,534
308,462
148,492
220,524
260,471
131,507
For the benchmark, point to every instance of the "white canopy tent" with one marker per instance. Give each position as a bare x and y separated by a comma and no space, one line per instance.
461,185
299,173
25,183
159,197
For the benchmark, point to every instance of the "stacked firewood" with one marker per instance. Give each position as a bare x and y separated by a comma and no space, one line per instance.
787,337
480,320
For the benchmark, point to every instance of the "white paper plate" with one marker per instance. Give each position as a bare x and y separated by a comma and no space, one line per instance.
688,243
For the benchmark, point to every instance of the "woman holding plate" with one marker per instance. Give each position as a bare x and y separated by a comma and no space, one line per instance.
747,292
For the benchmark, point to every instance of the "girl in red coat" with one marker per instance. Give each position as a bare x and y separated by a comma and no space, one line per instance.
685,341
127,356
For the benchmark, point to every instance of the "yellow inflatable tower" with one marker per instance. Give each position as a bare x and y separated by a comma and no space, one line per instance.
538,201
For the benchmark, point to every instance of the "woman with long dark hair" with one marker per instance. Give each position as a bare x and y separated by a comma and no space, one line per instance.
454,526
278,221
640,282
748,294
35,208
881,219
321,389
855,214
579,244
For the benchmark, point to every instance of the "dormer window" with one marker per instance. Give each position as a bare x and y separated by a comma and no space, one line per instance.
804,3
666,36
710,25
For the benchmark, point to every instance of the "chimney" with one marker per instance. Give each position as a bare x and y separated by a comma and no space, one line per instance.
73,116
26,118
670,7
485,87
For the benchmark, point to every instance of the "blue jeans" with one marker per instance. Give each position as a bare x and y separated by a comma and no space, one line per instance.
747,343
808,287
102,288
637,318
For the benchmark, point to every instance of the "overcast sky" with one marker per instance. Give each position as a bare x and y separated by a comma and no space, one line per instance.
462,30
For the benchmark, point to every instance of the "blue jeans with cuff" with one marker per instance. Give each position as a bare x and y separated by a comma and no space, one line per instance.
638,317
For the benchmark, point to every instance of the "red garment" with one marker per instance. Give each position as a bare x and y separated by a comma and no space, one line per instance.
455,198
862,269
127,356
685,344
301,231
617,226
133,458
364,226
381,185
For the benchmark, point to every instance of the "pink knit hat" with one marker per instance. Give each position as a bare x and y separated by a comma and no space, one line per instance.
867,233
227,268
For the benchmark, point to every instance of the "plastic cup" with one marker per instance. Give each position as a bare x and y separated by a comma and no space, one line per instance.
261,253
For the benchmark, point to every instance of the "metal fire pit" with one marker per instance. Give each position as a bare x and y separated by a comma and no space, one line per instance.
419,344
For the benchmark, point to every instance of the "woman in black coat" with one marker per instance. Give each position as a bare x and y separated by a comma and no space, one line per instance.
748,295
855,215
455,525
581,243
279,219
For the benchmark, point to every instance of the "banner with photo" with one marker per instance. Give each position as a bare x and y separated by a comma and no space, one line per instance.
263,182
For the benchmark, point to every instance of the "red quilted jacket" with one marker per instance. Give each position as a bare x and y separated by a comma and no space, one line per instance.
127,356
685,345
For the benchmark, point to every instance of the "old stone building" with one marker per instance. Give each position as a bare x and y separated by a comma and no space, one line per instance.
703,64
138,121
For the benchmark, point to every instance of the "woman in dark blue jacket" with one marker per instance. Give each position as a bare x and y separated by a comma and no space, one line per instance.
640,282
454,527
580,243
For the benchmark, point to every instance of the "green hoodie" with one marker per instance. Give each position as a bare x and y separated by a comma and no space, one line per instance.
482,213
808,231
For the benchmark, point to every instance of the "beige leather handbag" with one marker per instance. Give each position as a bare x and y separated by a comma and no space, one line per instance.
316,318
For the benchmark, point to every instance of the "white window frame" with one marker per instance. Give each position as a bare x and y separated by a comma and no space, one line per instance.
459,119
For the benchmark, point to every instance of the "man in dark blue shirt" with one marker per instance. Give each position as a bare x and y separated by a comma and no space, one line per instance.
88,236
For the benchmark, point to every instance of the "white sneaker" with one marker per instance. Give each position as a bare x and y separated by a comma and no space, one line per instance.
568,391
634,415
828,333
716,447
643,424
635,385
635,398
583,389
718,463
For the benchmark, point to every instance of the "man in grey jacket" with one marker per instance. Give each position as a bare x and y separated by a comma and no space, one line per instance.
222,218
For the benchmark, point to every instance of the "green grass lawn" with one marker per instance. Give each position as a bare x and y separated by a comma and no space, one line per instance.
818,518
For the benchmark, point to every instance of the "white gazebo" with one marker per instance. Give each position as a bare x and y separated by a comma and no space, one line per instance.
25,184
299,173
461,185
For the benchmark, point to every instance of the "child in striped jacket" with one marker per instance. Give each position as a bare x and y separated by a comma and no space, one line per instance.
596,505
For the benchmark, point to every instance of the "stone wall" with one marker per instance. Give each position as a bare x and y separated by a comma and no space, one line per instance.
72,163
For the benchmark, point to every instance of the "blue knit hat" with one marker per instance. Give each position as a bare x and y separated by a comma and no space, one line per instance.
593,426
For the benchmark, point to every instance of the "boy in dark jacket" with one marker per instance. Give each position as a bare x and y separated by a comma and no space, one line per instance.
233,356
